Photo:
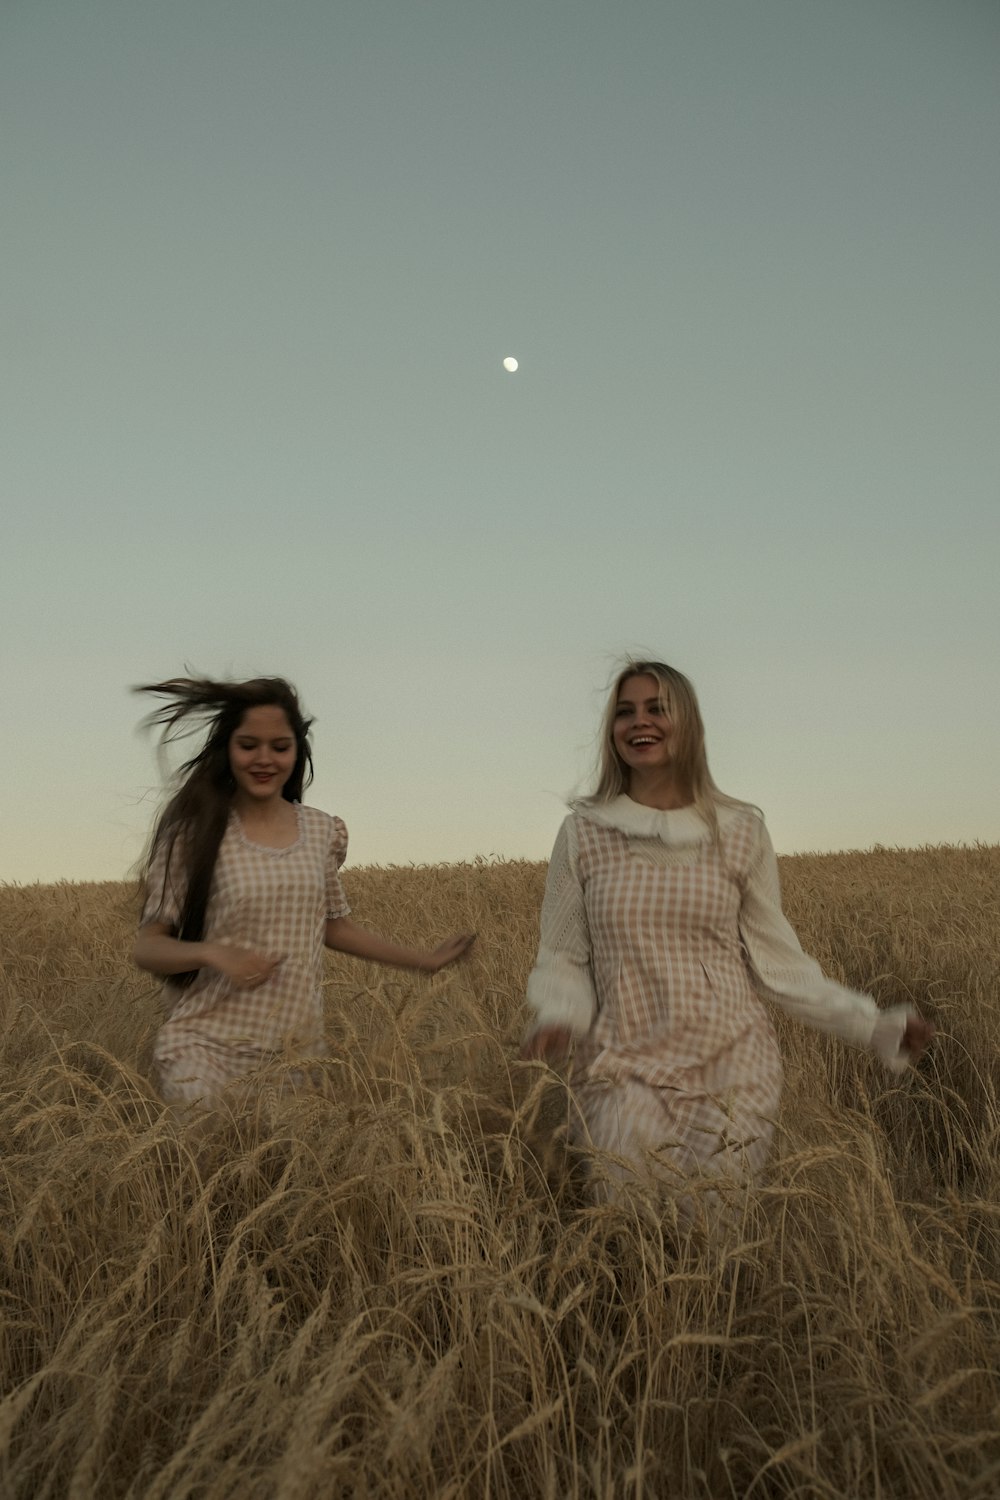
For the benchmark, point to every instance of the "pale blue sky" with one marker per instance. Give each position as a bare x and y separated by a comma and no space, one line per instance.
262,262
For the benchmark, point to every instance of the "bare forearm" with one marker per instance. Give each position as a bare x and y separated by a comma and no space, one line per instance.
160,954
345,936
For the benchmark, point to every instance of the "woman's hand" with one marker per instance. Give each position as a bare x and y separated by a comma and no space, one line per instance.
449,952
548,1044
245,968
917,1034
157,950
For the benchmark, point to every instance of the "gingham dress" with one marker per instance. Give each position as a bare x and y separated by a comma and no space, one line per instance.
276,901
656,945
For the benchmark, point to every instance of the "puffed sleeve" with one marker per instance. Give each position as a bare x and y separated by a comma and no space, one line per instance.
560,987
795,982
166,884
336,901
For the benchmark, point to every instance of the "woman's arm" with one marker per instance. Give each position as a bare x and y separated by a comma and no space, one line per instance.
158,951
345,936
795,982
560,990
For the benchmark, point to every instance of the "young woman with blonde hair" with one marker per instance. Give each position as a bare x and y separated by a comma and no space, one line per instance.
661,929
243,891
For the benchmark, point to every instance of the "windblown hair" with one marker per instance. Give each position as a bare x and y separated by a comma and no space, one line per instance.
679,701
194,820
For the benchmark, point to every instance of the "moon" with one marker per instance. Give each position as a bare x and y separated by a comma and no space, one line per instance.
510,364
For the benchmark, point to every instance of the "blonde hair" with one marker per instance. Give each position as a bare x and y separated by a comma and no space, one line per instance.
679,701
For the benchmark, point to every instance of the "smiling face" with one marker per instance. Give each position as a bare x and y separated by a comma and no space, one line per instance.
262,753
641,729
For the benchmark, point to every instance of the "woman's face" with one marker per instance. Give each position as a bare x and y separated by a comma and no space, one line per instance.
262,753
641,732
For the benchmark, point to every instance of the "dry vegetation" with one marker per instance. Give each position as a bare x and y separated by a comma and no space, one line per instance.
395,1285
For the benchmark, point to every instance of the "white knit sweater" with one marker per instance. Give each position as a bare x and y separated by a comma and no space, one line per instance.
560,987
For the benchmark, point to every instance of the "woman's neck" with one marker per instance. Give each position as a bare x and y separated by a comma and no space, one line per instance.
274,813
658,790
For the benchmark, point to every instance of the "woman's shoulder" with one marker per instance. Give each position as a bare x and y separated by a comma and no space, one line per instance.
734,813
742,829
323,824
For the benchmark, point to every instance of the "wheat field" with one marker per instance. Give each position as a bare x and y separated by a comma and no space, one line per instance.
394,1283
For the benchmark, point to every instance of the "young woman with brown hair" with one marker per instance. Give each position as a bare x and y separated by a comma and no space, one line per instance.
243,891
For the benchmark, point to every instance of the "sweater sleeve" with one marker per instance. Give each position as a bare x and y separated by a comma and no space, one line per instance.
784,974
560,987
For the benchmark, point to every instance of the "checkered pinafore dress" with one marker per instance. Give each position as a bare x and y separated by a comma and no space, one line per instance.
681,1059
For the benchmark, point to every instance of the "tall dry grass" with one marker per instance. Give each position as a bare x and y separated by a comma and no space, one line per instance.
395,1285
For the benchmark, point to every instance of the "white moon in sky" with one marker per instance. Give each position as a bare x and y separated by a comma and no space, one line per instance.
510,364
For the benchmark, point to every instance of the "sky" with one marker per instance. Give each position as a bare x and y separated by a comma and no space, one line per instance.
262,263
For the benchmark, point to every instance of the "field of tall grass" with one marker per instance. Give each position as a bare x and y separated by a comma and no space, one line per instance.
394,1284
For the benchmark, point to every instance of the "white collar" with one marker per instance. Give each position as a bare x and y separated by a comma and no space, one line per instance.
680,825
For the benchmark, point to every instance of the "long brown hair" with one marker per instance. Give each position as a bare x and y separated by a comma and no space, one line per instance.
195,818
680,702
